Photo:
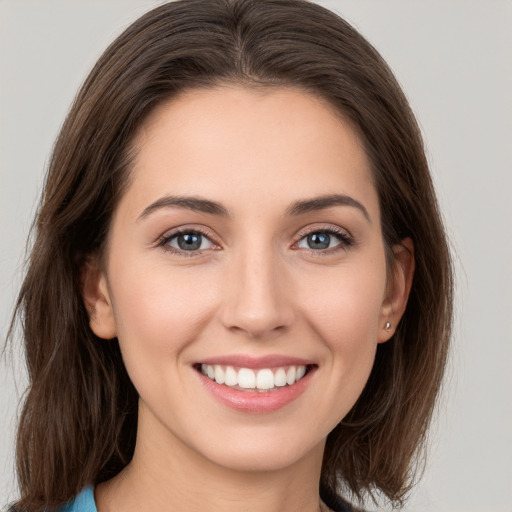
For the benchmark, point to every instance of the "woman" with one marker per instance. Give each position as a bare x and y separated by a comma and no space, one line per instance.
240,288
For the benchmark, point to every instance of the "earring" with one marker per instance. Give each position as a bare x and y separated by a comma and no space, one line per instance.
387,326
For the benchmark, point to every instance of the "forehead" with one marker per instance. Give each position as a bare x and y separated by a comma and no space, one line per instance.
263,143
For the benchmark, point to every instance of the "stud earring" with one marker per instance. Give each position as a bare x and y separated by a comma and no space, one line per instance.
387,326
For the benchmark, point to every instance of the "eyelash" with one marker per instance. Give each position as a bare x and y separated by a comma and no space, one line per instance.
165,240
346,241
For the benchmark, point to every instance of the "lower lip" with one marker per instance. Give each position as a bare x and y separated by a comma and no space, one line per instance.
256,401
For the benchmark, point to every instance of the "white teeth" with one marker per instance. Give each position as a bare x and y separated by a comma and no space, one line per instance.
219,375
231,378
290,375
280,378
246,378
265,379
301,371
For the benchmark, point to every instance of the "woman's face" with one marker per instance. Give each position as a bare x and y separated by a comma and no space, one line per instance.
246,250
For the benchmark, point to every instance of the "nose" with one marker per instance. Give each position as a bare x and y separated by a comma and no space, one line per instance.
257,296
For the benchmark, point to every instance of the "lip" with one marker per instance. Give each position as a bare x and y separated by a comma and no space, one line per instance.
256,363
257,402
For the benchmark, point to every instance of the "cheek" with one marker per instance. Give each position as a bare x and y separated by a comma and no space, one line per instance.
343,309
158,314
346,304
348,327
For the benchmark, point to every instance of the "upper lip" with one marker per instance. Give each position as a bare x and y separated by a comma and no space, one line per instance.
245,361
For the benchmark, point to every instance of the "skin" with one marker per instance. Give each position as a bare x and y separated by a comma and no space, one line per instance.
255,287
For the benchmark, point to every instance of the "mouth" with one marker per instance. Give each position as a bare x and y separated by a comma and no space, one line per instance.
255,384
259,380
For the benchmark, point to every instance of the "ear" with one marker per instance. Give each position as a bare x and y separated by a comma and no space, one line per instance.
398,289
97,301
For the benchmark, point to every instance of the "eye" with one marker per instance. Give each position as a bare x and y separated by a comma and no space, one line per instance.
323,240
188,241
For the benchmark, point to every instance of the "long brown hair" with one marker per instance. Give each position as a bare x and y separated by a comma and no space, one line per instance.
79,418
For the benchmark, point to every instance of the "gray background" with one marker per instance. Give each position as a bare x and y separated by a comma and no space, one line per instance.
453,58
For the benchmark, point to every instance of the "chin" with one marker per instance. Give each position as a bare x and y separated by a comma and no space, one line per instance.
263,450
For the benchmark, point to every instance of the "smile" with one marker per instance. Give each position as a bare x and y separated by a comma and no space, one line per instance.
256,385
247,379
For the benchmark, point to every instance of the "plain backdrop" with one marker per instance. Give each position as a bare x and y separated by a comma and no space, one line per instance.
453,58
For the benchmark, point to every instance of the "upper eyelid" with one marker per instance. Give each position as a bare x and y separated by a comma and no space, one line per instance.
328,228
346,240
202,230
163,242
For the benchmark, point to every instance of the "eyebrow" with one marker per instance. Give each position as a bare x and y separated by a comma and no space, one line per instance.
195,204
323,202
300,207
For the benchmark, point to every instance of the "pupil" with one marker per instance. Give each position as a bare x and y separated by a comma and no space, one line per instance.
319,241
189,241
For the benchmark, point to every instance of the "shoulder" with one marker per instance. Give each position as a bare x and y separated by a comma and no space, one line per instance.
84,502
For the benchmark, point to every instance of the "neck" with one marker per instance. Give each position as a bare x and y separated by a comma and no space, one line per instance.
167,476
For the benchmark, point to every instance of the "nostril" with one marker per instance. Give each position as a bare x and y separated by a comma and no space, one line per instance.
256,330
